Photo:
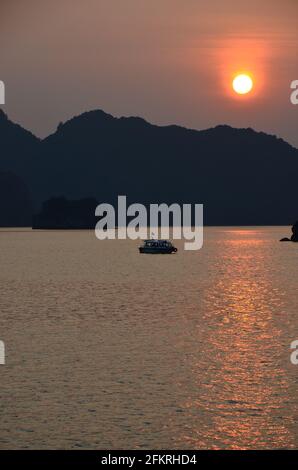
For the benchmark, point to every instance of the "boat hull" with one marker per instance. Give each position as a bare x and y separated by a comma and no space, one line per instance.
157,251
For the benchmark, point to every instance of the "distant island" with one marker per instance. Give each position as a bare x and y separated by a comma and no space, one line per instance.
242,177
62,214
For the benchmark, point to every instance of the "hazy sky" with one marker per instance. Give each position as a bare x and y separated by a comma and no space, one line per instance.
169,61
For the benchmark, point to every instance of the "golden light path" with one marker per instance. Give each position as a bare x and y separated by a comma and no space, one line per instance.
242,84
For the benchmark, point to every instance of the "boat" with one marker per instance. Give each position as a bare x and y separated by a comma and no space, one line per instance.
152,246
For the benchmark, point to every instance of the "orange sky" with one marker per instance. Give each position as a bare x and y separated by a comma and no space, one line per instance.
170,61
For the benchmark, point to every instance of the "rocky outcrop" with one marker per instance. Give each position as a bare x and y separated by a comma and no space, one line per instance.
294,237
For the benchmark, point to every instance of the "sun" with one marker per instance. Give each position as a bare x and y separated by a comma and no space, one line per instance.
242,84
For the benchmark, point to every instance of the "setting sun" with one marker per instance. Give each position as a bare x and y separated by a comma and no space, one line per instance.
242,84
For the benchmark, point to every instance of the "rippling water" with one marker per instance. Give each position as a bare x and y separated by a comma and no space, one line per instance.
106,348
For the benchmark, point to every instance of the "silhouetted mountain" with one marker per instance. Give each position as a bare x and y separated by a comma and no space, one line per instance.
15,202
19,153
243,177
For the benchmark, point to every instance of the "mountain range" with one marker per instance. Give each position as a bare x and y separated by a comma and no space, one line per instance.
242,177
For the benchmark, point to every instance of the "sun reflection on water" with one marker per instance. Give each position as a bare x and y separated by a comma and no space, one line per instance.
239,403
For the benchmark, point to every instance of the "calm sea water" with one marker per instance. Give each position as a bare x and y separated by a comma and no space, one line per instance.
110,349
